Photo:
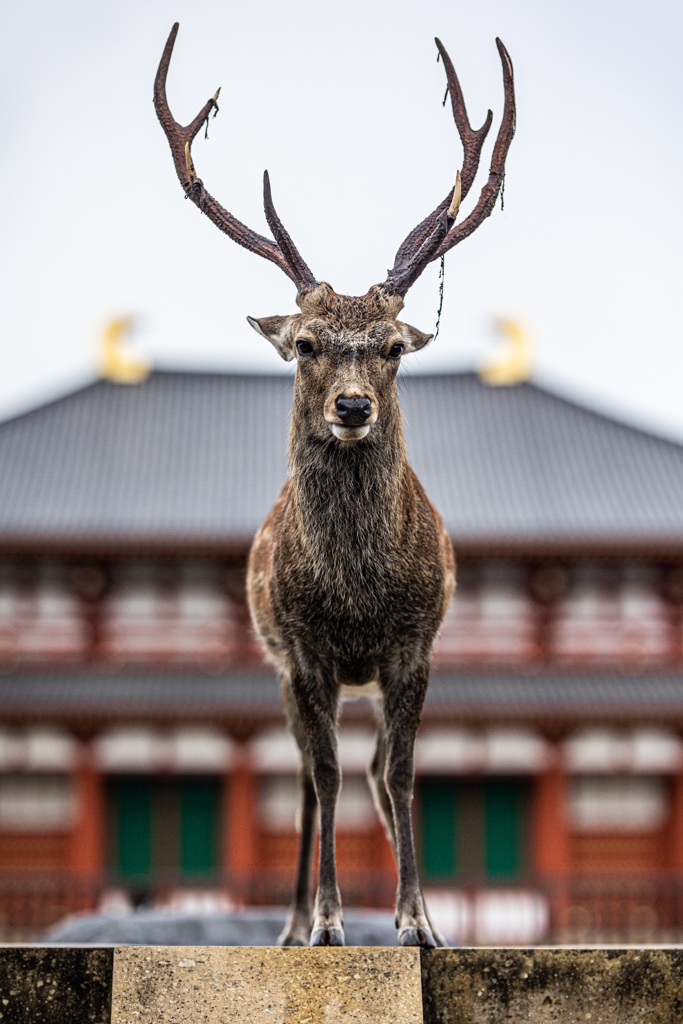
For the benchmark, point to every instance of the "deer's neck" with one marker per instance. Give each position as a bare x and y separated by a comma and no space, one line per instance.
348,498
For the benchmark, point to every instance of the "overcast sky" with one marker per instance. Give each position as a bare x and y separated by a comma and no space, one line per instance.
342,103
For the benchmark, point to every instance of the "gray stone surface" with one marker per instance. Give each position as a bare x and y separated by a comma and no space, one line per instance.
55,986
352,985
327,985
553,986
255,927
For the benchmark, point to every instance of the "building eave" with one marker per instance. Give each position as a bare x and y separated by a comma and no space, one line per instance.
667,547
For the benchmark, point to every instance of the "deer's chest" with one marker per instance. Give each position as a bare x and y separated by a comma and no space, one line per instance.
357,611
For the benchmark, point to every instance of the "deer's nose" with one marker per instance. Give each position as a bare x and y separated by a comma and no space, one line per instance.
353,412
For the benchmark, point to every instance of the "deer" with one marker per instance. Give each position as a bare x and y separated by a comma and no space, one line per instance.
351,573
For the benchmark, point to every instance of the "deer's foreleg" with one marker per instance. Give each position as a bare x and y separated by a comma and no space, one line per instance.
298,927
297,930
317,712
403,699
382,801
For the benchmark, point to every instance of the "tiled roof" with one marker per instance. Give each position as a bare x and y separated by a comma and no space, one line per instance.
192,697
200,457
151,695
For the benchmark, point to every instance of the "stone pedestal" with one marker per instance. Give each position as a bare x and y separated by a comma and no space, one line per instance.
351,985
266,985
53,985
553,986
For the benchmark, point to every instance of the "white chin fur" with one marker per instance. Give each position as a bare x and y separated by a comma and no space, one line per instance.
349,433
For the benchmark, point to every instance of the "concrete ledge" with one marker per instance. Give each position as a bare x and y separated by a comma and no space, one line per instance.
55,986
540,986
358,985
195,985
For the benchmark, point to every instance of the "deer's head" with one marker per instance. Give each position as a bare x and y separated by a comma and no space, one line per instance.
348,348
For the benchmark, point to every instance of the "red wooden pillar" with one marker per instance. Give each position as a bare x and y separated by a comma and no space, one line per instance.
676,832
86,848
385,855
550,847
676,844
240,823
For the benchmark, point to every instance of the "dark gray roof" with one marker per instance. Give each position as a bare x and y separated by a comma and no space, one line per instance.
193,696
92,694
200,458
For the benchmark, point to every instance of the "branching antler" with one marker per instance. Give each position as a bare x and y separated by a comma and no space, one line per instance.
438,233
282,252
433,237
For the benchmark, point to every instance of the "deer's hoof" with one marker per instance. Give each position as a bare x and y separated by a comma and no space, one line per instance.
295,932
292,940
327,937
416,937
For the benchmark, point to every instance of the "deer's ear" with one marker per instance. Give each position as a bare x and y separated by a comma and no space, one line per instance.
279,332
412,338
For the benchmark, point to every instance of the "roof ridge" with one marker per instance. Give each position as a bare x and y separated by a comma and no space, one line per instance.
407,379
50,403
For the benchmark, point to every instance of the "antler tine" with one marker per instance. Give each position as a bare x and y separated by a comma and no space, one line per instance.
178,137
472,143
436,234
490,191
180,140
282,236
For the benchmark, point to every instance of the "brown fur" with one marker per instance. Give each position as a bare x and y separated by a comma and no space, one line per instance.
349,578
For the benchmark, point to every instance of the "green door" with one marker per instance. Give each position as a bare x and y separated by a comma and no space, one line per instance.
504,828
133,803
473,830
199,802
438,800
165,827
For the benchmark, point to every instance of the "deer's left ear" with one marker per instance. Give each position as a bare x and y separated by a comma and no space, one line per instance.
279,332
412,338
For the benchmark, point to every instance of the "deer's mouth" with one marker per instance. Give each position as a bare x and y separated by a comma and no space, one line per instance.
343,433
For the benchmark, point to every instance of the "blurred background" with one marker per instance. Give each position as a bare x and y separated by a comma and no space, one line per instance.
143,438
343,106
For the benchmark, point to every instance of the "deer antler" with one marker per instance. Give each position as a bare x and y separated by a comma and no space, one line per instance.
282,252
438,233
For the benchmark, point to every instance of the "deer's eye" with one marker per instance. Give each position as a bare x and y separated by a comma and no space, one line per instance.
304,348
395,351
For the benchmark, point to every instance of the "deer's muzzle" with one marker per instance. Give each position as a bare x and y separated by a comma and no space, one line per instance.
353,412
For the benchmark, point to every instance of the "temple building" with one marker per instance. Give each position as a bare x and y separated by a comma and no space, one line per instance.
142,742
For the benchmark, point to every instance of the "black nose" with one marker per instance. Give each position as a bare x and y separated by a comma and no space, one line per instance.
353,412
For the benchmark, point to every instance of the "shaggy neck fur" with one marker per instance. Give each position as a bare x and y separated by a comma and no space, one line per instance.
348,495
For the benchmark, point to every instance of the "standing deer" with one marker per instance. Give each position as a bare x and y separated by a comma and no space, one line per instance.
351,573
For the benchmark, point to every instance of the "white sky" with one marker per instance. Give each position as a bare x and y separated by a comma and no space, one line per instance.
343,105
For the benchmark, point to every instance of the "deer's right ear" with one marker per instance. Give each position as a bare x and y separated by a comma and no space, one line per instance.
279,332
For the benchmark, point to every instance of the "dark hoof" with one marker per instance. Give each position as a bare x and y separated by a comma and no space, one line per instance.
294,934
327,937
292,940
416,937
